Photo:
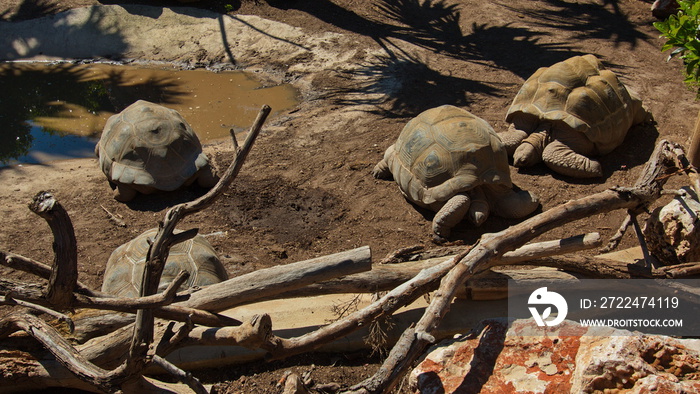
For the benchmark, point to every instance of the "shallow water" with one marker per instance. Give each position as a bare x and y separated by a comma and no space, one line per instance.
57,111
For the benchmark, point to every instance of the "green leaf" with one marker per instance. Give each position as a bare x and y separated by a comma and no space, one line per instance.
681,32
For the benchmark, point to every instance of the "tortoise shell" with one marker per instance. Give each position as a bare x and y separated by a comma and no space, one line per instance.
579,94
125,266
444,151
149,146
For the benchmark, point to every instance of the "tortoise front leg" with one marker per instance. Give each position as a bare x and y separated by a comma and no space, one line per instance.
511,202
512,138
124,193
479,209
530,150
566,155
206,177
449,215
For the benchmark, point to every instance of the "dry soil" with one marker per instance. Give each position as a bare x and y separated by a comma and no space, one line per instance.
307,188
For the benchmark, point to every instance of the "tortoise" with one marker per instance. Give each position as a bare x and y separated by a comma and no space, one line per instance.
568,112
148,147
452,162
125,265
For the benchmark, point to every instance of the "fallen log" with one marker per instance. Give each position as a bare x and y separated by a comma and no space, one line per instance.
273,281
384,277
244,289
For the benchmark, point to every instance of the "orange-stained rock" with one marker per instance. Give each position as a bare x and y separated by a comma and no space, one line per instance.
494,358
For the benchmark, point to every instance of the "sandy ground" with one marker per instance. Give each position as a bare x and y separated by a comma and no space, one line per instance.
364,69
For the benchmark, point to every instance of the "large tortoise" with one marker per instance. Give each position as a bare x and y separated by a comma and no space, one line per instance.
452,162
567,112
148,147
125,265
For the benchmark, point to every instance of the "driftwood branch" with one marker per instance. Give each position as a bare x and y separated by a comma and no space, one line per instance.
248,288
39,269
164,239
64,352
384,277
251,334
180,375
64,272
8,300
269,282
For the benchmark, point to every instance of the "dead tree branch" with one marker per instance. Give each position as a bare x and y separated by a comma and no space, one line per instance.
64,272
384,277
165,238
64,352
34,267
182,376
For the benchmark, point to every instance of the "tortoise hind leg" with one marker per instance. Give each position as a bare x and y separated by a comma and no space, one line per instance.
382,170
566,155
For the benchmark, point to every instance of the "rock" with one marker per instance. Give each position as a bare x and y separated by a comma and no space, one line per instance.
671,232
494,358
294,385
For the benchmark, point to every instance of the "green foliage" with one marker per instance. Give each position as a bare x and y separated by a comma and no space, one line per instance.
681,32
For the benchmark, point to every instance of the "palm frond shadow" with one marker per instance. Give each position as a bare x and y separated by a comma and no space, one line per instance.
435,25
400,86
588,21
429,24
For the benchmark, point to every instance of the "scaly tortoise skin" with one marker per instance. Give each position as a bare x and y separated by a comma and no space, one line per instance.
452,162
148,147
125,266
565,113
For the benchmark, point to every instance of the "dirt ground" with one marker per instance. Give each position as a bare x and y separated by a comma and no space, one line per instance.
307,188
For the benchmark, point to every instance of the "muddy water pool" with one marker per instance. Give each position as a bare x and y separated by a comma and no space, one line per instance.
57,111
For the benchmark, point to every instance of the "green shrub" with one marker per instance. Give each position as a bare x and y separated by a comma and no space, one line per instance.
681,33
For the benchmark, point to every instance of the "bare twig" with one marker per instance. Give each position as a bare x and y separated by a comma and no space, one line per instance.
33,294
234,140
39,269
681,270
617,237
8,300
180,375
114,218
